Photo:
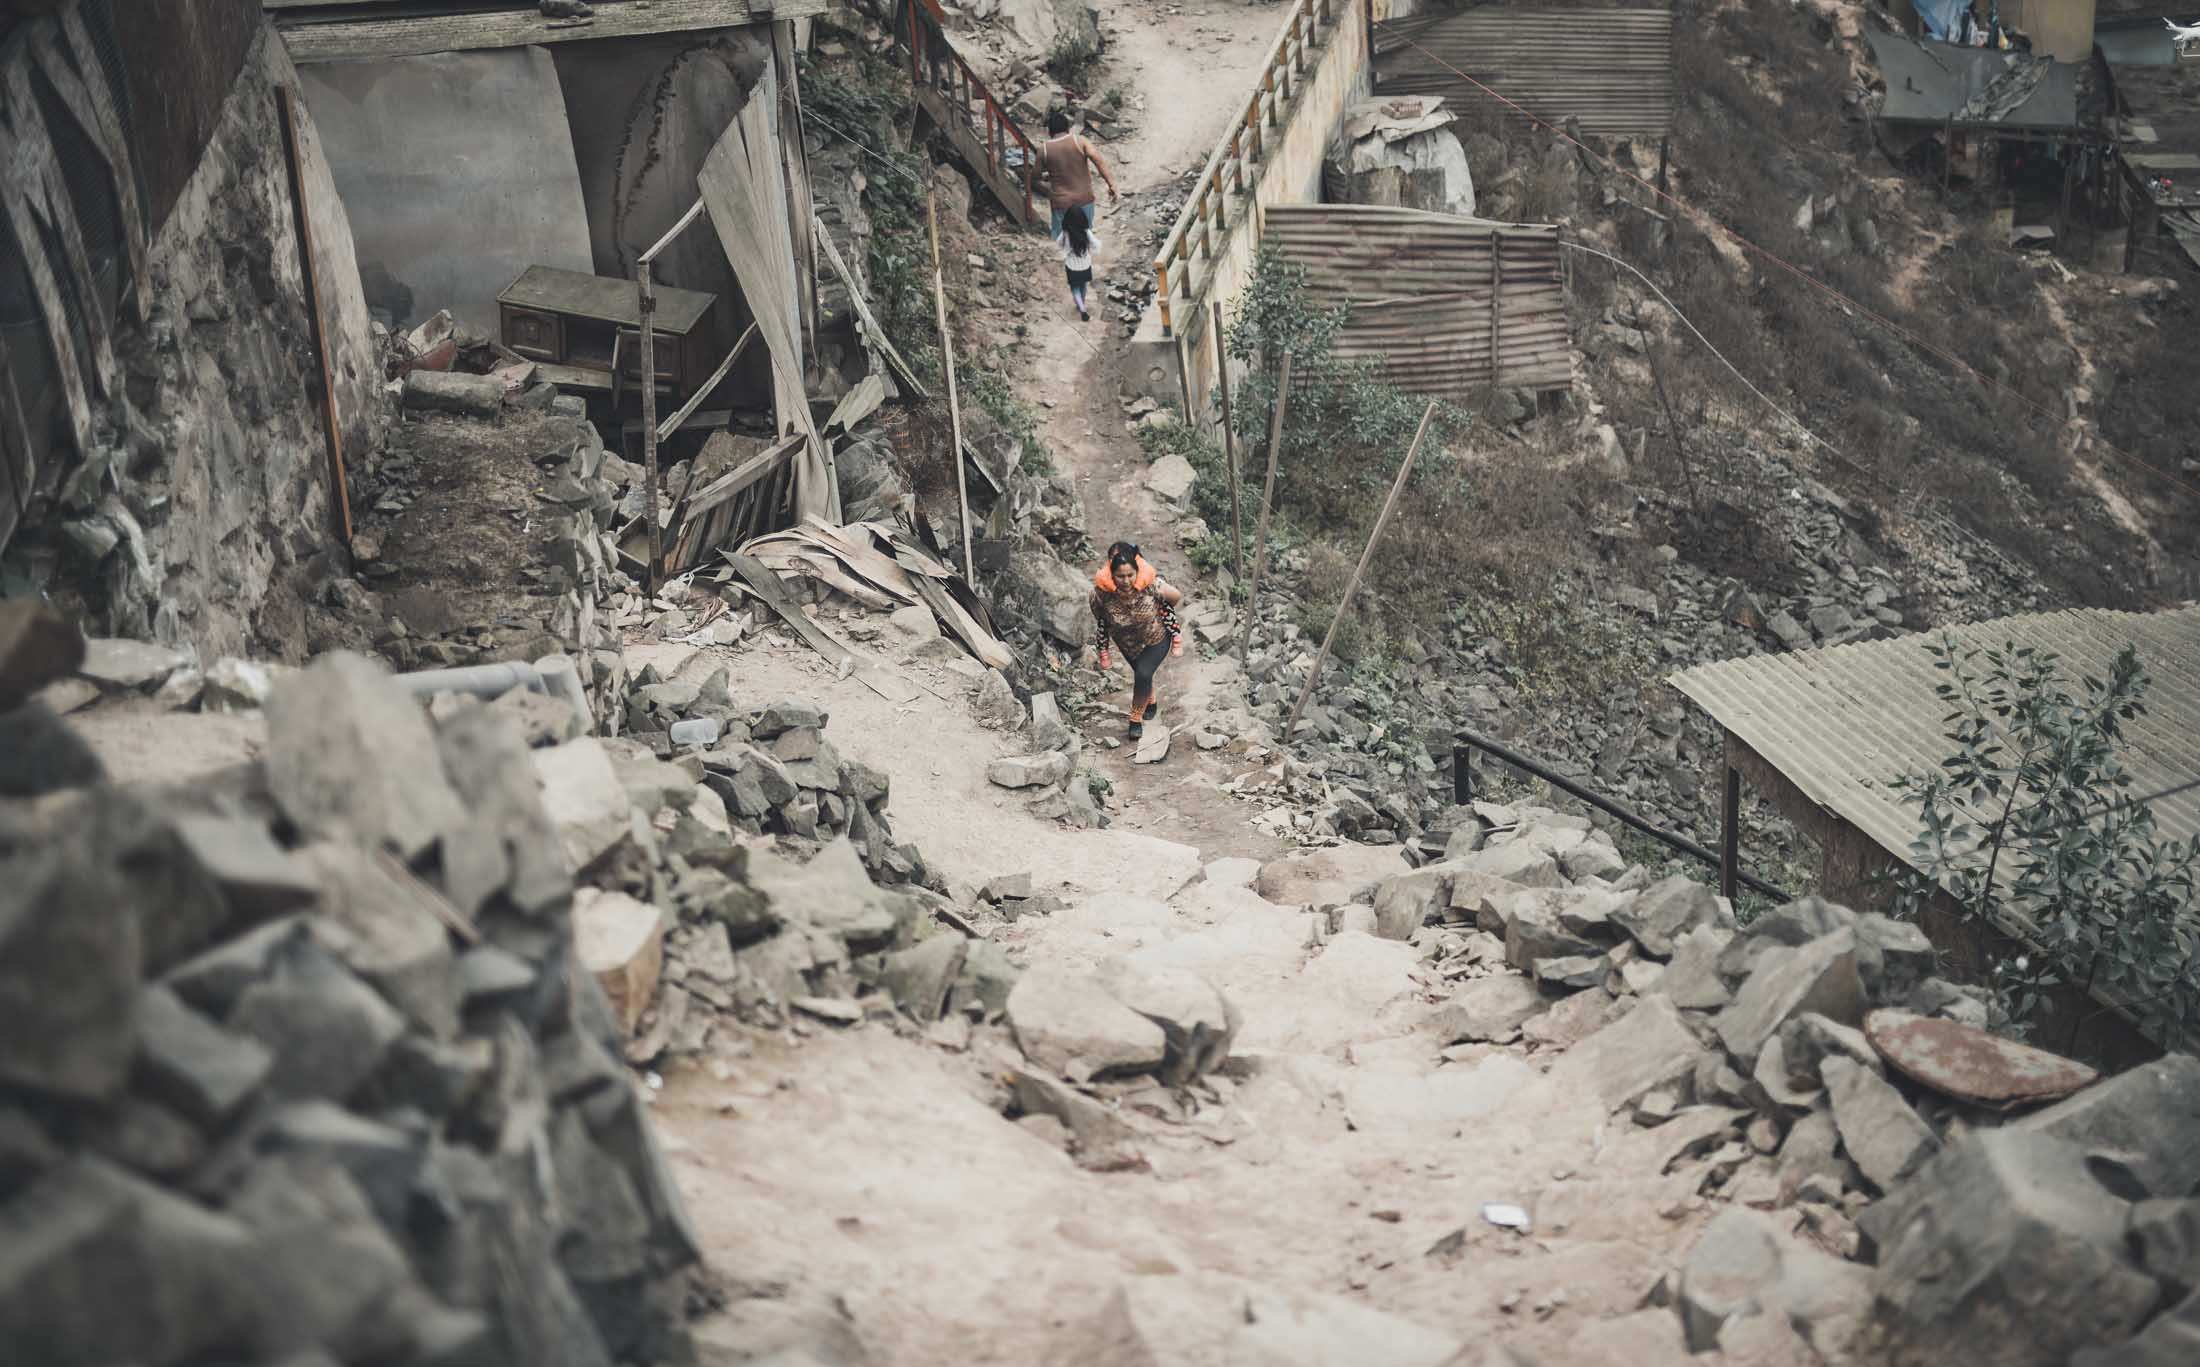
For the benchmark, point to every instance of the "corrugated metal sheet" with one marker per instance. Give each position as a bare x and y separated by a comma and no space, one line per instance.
1842,723
1610,68
1419,287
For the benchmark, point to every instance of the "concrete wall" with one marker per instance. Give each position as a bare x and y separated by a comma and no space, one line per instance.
206,490
457,171
1337,75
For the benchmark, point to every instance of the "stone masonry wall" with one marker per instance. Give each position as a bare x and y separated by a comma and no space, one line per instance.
208,485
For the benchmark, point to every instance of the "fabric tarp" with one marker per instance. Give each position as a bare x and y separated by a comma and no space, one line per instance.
745,194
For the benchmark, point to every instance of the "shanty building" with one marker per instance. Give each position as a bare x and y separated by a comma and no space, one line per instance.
1823,735
2155,94
2025,130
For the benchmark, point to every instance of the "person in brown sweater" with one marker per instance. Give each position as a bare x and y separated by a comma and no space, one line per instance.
1135,608
1066,164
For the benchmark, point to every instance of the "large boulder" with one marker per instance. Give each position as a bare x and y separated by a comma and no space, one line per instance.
1786,982
1211,1321
1196,1020
1667,911
1642,1050
1878,1128
2004,1249
1490,1009
1055,597
2143,1120
1331,877
1745,1264
1044,27
349,753
1070,1024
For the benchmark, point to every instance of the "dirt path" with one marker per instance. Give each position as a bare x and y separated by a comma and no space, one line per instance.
864,1182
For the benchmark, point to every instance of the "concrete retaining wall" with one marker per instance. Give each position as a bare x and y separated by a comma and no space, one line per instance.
1292,174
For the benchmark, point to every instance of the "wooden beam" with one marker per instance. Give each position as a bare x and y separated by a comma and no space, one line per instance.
766,586
379,39
93,106
694,401
1267,492
1352,585
286,108
22,176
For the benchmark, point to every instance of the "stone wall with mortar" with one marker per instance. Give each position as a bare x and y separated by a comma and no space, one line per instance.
207,485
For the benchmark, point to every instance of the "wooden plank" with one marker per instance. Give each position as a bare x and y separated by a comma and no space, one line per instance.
22,172
57,209
286,109
871,329
680,415
765,585
980,642
378,39
18,458
93,105
741,476
605,299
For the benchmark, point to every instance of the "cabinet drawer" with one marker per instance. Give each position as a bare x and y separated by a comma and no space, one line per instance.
534,334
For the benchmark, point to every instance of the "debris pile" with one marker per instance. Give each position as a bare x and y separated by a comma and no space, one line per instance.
299,1063
752,878
1811,1071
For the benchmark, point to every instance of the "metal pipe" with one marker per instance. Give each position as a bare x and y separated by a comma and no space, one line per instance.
555,676
483,681
1670,839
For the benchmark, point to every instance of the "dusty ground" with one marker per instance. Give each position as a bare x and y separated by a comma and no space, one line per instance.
875,1169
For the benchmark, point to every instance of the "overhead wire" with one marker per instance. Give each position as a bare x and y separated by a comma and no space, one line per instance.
1799,273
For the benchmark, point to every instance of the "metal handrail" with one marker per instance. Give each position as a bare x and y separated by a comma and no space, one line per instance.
1463,792
1281,74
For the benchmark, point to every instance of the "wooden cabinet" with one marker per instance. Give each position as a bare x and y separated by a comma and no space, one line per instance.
589,326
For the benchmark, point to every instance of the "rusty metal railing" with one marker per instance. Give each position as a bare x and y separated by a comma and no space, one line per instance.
962,97
1235,163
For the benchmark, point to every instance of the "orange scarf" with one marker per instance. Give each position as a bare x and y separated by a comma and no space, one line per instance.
1142,578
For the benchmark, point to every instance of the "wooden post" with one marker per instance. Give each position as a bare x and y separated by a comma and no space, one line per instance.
1229,447
954,401
1267,493
1497,291
1730,835
1352,585
648,311
331,430
1184,376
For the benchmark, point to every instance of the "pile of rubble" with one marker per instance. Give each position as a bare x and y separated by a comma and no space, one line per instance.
1842,1100
745,875
300,1066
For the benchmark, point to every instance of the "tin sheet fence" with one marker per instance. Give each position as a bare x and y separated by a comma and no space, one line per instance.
1612,69
1444,306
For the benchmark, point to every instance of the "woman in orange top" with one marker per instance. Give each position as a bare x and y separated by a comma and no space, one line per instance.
1133,607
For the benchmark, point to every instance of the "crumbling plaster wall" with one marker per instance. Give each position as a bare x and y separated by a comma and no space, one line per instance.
208,482
457,173
644,113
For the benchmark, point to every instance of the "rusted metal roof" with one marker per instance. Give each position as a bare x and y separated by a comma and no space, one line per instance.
1420,290
1971,1064
1610,68
1842,723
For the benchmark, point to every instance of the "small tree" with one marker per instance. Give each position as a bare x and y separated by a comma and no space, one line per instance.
2034,811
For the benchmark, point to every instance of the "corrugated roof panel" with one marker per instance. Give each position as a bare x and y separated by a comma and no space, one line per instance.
1612,69
1843,722
1419,288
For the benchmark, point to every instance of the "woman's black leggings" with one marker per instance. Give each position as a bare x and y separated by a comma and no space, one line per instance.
1144,665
